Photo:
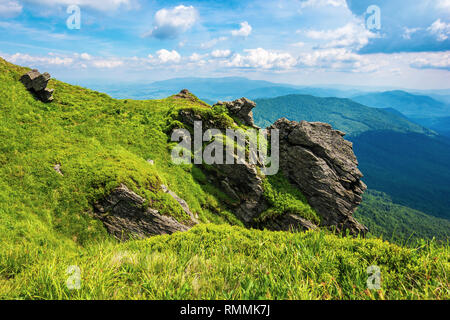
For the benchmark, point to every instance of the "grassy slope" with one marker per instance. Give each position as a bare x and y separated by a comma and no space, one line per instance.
99,142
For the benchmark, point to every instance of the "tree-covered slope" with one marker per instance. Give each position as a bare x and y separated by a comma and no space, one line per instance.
343,114
412,168
97,143
398,223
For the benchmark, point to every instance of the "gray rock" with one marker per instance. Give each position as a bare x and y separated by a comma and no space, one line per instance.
125,216
241,109
37,83
323,166
57,168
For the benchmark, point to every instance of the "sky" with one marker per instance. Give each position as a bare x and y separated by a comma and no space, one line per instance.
401,43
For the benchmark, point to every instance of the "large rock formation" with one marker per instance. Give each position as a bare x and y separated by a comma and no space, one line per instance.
37,83
322,164
240,109
124,215
315,158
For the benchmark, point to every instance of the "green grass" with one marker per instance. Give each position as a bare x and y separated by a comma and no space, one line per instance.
100,142
285,198
224,262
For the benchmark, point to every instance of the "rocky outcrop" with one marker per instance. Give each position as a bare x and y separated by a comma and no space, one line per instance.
37,83
187,95
321,163
240,109
125,216
315,158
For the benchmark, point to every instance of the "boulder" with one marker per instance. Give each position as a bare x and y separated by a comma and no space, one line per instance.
37,83
240,109
125,216
321,163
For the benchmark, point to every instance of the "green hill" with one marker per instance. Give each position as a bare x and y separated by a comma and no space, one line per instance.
343,114
97,143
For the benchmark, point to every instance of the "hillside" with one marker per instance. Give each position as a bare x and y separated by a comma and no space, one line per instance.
398,223
60,159
343,114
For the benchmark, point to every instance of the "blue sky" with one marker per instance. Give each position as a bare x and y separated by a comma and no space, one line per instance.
308,42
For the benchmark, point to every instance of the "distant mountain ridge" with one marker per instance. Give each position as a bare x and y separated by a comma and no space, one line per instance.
351,117
214,89
411,105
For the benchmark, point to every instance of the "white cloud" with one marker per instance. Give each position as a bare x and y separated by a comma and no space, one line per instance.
352,35
299,44
443,4
10,8
85,56
432,60
221,53
409,31
338,59
195,57
107,63
211,43
440,29
26,59
170,23
101,5
264,59
166,56
74,60
244,31
322,3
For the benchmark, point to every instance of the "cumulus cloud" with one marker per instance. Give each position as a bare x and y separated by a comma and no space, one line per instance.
74,60
211,43
435,60
353,35
244,31
107,63
26,59
166,56
339,59
170,23
221,53
101,5
440,29
9,8
264,59
85,56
